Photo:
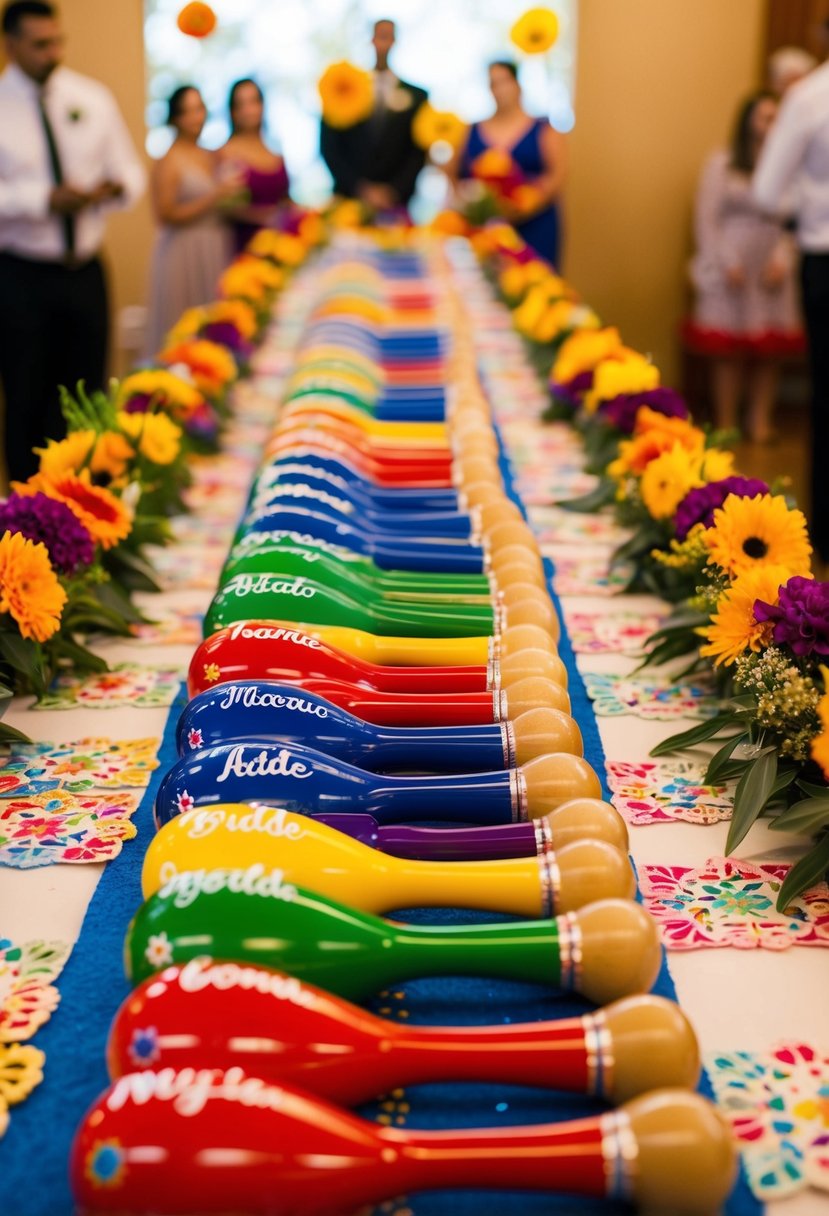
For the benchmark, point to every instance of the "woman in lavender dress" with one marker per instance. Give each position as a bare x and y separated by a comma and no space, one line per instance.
263,171
746,313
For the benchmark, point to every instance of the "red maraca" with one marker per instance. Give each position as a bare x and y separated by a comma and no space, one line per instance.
209,1014
205,1141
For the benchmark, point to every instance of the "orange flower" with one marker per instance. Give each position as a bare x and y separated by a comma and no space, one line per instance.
104,516
196,19
29,588
493,164
648,420
211,366
450,223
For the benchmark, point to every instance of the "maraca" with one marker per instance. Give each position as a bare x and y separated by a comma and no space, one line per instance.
579,819
442,525
307,781
605,950
319,857
253,649
342,476
210,1014
282,713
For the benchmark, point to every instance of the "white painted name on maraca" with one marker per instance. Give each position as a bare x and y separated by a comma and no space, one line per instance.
263,633
261,540
201,973
184,887
253,698
259,584
293,490
263,765
190,1089
271,821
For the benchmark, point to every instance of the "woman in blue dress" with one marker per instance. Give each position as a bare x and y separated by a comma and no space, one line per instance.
537,150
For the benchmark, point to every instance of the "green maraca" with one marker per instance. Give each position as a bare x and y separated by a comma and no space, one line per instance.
605,950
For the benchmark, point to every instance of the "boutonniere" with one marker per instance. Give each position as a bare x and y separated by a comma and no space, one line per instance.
400,99
75,115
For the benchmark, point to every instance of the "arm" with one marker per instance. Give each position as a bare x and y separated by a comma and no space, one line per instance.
782,155
337,159
165,182
553,147
122,167
707,229
24,200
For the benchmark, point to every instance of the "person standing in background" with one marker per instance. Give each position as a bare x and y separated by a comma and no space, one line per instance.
66,158
787,65
377,160
263,171
796,158
191,191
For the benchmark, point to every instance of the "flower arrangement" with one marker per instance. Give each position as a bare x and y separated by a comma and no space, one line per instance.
497,189
731,552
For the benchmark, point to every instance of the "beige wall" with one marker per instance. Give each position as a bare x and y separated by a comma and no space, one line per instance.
657,85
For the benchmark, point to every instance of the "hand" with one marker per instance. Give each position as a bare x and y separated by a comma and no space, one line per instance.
735,277
230,188
66,200
378,195
106,191
774,274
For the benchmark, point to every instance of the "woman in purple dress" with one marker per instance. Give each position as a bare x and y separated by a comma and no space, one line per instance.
263,171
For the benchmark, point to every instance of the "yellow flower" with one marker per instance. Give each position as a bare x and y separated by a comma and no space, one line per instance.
157,436
431,126
346,214
584,351
637,453
760,531
820,743
667,479
733,628
212,672
346,93
211,365
623,372
494,163
716,464
161,388
311,229
517,279
449,223
67,455
536,31
250,278
104,516
282,247
232,312
527,198
29,588
111,457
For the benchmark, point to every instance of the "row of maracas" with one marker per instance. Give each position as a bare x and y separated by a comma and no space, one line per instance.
383,611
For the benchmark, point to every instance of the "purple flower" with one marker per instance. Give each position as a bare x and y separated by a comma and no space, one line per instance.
41,518
139,403
801,617
570,392
698,506
226,334
621,411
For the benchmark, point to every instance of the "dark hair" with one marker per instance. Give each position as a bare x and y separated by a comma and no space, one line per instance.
231,97
14,14
742,152
175,100
385,21
508,65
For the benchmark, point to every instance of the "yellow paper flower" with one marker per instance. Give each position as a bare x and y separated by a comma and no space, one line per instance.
535,32
104,516
431,126
346,93
212,367
67,455
733,628
760,531
623,372
584,351
667,479
29,588
820,743
157,436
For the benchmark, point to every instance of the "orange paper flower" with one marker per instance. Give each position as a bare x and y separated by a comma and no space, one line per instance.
197,20
29,588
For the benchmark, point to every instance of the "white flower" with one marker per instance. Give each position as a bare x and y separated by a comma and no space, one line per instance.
159,952
185,802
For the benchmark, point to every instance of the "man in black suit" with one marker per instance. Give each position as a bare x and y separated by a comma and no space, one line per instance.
376,160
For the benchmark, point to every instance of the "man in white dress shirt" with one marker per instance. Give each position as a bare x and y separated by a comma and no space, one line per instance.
66,158
794,164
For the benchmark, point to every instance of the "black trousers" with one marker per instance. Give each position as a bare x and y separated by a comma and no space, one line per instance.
815,285
54,324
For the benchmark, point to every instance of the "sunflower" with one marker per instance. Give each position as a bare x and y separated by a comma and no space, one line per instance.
346,93
535,32
733,628
623,372
104,516
69,455
584,351
111,458
29,588
157,436
759,531
431,126
667,479
820,743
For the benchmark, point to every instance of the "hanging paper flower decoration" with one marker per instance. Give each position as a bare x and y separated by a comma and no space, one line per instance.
197,20
431,126
346,93
536,31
